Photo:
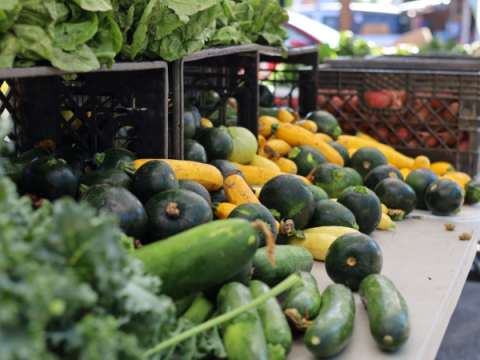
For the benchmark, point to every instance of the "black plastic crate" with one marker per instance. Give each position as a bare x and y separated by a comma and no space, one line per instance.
433,112
294,78
88,112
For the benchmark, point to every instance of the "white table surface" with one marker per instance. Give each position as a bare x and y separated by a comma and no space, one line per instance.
429,266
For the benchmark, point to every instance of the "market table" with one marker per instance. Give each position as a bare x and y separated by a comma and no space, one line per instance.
429,266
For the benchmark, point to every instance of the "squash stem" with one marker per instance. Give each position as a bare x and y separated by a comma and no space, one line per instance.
284,285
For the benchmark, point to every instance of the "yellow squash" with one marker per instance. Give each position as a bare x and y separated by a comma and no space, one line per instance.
386,223
257,189
460,177
405,172
286,165
207,175
384,209
222,210
265,125
309,125
206,123
281,147
272,137
398,160
237,191
277,224
324,137
441,167
259,176
285,116
331,230
351,151
263,162
421,162
366,137
261,140
316,243
298,136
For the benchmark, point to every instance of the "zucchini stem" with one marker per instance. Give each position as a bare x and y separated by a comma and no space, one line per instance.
277,290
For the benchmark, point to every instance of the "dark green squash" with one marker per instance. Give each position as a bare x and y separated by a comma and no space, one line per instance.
75,157
306,158
217,143
318,193
266,98
121,203
194,151
331,178
444,197
326,122
380,173
252,212
49,178
13,167
472,192
355,178
342,150
290,196
114,157
366,159
152,178
192,121
365,205
218,196
197,188
396,195
174,211
419,180
225,167
115,177
351,258
331,213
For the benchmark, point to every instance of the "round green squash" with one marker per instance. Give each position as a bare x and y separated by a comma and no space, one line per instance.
318,193
365,205
194,151
49,178
225,167
342,150
444,197
472,192
396,195
351,258
113,157
75,158
114,177
306,158
197,188
121,203
326,122
366,159
265,96
291,197
331,213
218,196
192,121
252,212
380,173
152,178
217,143
355,178
174,211
331,178
419,180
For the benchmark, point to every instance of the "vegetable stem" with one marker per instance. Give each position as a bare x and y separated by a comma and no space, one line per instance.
284,285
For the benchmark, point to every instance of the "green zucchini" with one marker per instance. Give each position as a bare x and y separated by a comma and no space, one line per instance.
189,262
277,332
351,258
115,177
332,213
333,327
200,310
183,304
387,312
243,336
243,277
331,178
288,260
303,298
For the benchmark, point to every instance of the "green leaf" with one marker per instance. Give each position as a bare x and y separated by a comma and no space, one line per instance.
79,60
184,8
226,36
62,12
8,4
199,22
42,13
298,233
94,5
69,35
228,6
33,42
169,22
8,50
141,30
